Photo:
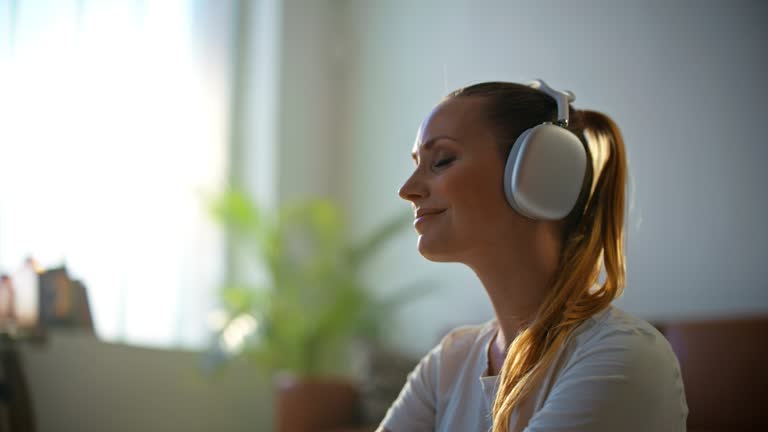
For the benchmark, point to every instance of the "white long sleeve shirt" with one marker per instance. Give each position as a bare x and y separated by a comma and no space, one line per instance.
616,372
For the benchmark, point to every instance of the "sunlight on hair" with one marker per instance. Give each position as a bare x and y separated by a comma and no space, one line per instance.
600,150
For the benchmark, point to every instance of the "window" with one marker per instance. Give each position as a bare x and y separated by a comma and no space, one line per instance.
113,128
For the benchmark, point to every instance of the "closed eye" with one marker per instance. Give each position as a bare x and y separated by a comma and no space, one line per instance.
444,162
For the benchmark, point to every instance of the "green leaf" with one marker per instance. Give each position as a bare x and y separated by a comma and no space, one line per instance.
315,301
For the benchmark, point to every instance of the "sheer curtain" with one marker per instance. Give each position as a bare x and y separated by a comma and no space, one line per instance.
113,118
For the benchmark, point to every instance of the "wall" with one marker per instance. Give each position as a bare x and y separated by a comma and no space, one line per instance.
685,82
310,80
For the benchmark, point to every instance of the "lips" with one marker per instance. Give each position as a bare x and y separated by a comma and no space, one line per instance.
427,211
426,214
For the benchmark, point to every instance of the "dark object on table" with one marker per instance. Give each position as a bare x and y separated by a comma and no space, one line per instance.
63,301
15,404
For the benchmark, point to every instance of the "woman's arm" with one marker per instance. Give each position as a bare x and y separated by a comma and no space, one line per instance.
415,407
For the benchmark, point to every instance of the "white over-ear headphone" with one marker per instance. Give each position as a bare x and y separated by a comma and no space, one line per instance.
546,165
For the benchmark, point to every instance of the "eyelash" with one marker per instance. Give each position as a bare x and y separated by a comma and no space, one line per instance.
444,162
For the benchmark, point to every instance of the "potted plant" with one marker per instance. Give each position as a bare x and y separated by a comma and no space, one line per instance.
301,323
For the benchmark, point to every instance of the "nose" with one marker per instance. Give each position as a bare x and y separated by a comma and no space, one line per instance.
413,189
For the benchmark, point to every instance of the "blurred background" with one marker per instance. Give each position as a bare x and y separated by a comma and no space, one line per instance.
119,117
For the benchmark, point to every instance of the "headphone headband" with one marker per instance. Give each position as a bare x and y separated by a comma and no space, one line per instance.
563,98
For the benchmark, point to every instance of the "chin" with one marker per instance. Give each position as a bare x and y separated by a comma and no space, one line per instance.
435,251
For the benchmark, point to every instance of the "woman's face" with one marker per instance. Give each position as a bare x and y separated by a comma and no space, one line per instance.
456,188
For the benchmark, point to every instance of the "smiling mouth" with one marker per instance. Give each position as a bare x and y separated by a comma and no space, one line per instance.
426,216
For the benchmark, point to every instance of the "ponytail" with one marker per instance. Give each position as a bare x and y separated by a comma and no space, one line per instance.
593,237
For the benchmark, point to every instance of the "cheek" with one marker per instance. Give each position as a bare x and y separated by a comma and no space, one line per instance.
476,196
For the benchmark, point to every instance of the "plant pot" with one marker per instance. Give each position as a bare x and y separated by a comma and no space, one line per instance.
314,404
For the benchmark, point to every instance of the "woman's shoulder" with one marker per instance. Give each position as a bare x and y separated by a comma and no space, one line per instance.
614,323
618,371
619,334
461,348
464,337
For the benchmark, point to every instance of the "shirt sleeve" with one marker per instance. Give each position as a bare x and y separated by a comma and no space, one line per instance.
415,407
626,381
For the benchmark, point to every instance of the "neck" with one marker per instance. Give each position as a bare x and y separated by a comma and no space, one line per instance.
517,281
516,297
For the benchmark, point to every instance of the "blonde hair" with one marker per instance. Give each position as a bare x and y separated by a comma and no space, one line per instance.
592,237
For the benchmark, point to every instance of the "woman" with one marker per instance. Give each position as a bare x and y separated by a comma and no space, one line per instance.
558,356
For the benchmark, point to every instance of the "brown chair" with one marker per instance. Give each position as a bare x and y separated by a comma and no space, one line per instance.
724,364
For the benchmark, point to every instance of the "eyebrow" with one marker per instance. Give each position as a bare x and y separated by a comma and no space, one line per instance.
429,144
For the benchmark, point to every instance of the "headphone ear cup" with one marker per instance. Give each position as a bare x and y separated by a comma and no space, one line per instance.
544,172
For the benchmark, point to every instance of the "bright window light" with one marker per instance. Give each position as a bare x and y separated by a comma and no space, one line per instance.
113,127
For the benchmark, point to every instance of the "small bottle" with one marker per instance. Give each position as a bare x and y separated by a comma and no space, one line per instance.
25,281
7,302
